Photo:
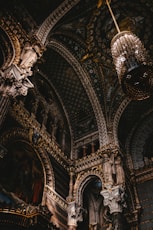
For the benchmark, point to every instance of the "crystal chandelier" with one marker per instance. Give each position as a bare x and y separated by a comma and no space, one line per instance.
135,72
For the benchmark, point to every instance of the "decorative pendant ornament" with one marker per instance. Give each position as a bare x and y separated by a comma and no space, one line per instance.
134,70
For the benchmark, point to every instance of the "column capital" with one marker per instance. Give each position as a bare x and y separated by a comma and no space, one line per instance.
114,198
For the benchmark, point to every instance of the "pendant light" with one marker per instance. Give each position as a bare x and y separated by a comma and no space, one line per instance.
134,70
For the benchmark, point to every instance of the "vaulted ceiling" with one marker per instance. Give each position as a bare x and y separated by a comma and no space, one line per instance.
78,64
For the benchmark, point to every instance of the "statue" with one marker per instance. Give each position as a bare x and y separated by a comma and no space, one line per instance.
120,177
29,56
96,209
108,170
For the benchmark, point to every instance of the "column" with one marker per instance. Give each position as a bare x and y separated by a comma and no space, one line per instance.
72,216
114,199
75,215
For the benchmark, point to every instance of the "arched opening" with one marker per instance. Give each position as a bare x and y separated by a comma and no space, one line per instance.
21,175
95,213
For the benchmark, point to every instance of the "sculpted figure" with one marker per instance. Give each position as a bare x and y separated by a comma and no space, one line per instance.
95,209
120,177
29,56
107,169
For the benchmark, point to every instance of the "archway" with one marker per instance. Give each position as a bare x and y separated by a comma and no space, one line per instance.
21,173
95,215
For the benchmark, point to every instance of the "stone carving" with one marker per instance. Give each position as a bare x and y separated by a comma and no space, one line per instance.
120,177
108,171
14,79
72,216
114,198
29,56
14,82
95,211
75,214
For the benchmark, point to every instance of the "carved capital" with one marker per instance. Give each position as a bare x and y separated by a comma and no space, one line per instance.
14,81
72,214
75,214
114,199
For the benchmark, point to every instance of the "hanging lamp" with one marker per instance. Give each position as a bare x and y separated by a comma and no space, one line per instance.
135,72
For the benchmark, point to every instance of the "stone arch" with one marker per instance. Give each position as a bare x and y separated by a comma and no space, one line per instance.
117,117
88,196
44,30
82,181
23,135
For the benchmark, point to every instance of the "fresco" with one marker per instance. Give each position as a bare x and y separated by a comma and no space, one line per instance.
21,174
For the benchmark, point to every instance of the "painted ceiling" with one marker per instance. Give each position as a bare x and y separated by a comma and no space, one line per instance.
78,64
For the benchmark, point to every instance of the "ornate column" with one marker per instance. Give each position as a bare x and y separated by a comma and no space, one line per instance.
74,211
71,184
114,185
75,215
114,199
72,216
71,210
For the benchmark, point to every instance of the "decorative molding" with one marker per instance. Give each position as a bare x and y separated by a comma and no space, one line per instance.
88,162
117,117
82,179
44,30
52,195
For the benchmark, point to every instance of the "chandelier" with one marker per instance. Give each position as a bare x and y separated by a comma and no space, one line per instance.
135,72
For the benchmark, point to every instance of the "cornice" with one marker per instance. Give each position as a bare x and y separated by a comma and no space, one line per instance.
53,18
88,162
